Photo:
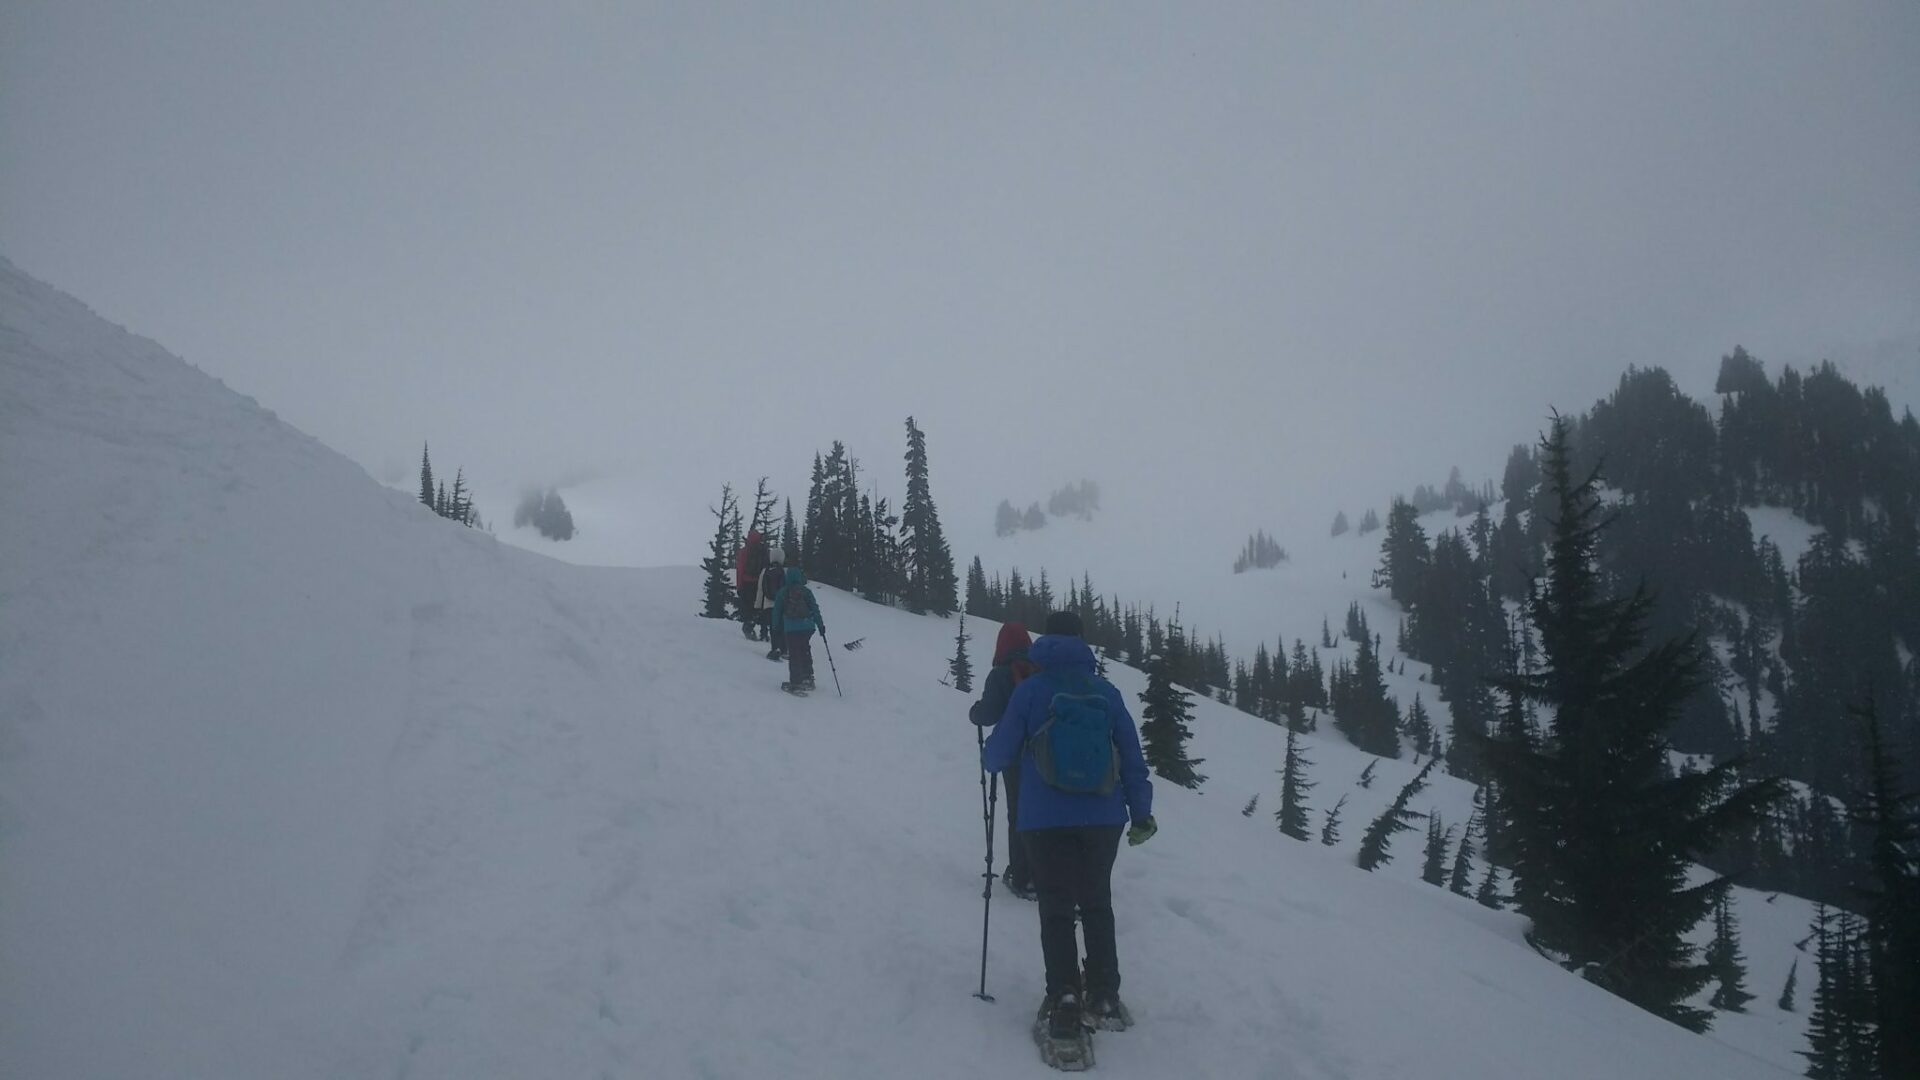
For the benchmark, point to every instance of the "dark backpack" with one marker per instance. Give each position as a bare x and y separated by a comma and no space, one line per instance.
1073,749
799,603
756,560
770,581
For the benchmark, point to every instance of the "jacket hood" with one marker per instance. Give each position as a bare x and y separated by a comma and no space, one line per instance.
795,577
1013,639
1057,651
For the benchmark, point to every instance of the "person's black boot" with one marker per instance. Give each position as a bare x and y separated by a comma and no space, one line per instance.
1060,1031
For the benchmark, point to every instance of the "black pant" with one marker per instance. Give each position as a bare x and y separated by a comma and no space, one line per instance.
800,658
1073,869
1019,867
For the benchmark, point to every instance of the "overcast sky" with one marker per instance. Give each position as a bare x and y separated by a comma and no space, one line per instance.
1247,253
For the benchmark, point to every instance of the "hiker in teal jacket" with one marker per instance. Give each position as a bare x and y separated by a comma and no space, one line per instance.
796,615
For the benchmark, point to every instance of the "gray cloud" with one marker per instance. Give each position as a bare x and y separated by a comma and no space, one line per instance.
1339,248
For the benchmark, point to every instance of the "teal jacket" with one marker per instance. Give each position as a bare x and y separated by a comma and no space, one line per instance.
784,624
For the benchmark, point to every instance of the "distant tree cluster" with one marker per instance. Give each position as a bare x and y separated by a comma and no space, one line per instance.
1454,495
1261,553
546,512
1110,626
1600,833
852,539
1282,687
1801,638
1007,520
1080,499
455,504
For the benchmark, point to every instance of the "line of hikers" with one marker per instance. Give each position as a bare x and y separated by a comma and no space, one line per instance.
1069,753
776,606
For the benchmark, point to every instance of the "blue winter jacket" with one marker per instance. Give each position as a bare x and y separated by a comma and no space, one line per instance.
784,625
1043,806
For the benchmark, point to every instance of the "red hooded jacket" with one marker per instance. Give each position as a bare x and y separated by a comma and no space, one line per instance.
745,572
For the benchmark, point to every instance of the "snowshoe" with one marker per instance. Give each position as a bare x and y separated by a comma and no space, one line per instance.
1019,888
777,657
1106,1012
1060,1031
796,689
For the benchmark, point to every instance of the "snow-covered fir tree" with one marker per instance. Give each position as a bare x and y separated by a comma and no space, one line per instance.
1396,818
1294,785
960,668
1165,715
1725,961
1330,824
718,588
1433,867
929,561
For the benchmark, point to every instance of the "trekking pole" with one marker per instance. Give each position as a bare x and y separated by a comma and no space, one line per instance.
989,802
830,667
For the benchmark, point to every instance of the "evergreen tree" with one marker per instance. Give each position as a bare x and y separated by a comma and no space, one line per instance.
1433,868
426,478
1362,710
1166,711
961,668
1836,1048
1892,939
1369,523
1723,959
1330,826
1460,882
930,577
1252,804
1396,818
1340,525
816,509
1294,785
1403,554
1420,728
979,598
1488,895
790,536
1356,627
1604,840
719,561
762,519
1793,982
457,500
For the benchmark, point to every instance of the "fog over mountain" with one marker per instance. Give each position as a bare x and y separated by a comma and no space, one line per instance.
1250,263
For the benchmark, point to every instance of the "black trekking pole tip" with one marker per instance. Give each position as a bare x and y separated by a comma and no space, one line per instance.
988,998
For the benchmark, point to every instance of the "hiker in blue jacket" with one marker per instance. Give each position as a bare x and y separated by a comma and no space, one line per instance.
1072,838
796,615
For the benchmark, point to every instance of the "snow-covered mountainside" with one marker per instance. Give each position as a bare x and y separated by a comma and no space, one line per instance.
298,780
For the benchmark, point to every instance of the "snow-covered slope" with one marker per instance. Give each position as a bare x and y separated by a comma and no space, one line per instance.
298,780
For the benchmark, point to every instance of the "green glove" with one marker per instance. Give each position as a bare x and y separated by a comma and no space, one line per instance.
1142,831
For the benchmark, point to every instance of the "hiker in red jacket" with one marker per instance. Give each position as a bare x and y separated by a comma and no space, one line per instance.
747,565
1010,668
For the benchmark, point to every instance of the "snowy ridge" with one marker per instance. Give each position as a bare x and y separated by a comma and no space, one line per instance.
299,780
